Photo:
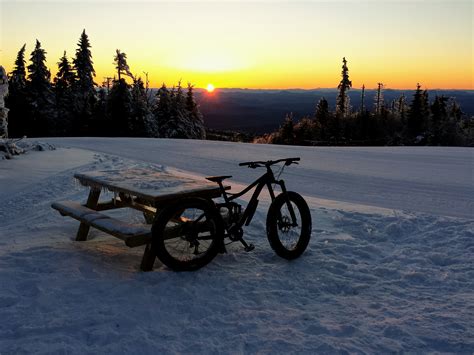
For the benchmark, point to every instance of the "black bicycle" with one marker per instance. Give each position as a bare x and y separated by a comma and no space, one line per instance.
189,233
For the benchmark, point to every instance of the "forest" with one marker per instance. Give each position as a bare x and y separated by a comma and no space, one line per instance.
73,104
399,122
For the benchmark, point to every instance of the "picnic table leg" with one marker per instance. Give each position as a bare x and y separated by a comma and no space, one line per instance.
91,203
148,259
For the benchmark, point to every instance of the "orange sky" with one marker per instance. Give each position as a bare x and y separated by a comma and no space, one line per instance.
278,44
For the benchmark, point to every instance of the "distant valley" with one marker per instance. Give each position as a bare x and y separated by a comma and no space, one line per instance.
260,111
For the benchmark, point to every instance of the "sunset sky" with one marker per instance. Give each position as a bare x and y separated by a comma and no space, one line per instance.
266,44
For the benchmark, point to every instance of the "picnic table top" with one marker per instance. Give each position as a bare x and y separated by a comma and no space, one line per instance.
150,184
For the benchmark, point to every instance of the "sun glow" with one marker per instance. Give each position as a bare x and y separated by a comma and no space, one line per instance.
210,88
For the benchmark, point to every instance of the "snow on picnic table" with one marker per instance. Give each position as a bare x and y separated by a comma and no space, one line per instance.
373,279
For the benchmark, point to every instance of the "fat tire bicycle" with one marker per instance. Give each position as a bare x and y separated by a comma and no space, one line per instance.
189,233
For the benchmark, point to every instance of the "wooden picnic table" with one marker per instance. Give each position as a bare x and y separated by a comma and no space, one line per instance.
144,189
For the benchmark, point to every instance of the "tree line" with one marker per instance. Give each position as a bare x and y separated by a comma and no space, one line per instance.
72,104
420,122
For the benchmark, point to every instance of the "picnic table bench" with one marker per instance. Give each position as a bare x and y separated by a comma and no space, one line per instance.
145,189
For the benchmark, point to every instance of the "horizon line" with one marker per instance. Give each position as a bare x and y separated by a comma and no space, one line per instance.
327,88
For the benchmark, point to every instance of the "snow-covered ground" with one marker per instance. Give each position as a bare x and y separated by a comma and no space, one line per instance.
389,268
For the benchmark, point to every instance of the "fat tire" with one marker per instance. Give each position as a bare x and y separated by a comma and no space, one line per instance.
158,241
273,229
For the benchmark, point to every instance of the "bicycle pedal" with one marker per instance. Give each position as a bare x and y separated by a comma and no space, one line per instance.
249,247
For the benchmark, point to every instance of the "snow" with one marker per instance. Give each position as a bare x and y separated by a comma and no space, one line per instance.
389,267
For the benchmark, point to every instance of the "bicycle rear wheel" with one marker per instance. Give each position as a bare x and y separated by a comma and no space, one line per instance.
187,234
289,240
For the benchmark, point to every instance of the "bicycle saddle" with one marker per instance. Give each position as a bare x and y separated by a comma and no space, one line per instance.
218,179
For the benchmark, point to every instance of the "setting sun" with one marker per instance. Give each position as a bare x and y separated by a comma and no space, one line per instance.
210,88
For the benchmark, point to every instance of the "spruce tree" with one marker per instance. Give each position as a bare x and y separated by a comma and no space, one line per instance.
194,114
65,77
342,102
85,94
17,77
322,117
84,66
286,132
141,121
119,108
16,100
40,94
305,131
438,118
416,120
162,109
121,65
63,89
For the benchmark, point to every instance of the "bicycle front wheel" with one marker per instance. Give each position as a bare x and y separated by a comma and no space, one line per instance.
186,235
289,236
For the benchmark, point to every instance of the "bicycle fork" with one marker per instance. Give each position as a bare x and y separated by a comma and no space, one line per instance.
281,183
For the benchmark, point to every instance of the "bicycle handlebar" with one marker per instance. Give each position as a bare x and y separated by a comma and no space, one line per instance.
258,164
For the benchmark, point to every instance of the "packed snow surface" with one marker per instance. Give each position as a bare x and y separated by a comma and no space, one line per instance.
389,268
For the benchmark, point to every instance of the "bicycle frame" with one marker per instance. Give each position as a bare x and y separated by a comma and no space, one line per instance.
267,179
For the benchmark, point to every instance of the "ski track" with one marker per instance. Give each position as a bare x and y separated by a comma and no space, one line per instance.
368,283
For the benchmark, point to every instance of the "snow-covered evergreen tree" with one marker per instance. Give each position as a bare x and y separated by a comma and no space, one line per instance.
417,115
305,131
322,116
178,116
194,115
64,92
16,101
119,108
40,94
342,101
121,64
286,134
85,93
141,123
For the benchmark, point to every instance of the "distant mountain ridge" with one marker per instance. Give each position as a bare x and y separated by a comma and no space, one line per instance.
262,110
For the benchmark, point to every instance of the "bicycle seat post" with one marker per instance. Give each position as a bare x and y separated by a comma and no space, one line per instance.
224,193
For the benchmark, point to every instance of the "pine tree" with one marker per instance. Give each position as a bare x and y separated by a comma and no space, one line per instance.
119,108
191,105
100,116
63,89
141,120
179,102
286,132
305,131
195,115
17,77
121,65
162,109
65,77
322,117
16,100
416,120
342,102
84,66
40,94
85,87
439,118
